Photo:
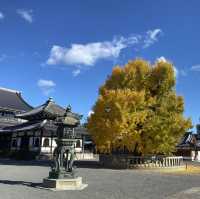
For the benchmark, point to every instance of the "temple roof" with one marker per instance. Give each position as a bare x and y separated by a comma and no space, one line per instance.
24,127
11,100
190,140
49,128
81,130
49,110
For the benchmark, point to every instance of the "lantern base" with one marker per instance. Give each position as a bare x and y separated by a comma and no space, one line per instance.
64,184
62,174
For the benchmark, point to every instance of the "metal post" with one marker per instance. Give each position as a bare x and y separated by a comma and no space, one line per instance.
51,151
83,146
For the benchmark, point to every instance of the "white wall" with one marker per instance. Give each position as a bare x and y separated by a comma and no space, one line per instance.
197,158
48,149
44,149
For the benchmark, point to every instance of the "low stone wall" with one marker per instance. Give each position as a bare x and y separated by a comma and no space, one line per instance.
144,162
84,156
114,161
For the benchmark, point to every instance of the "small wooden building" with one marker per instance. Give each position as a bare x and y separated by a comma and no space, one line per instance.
38,133
189,147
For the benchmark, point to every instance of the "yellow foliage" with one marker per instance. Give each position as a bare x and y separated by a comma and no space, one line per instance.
138,110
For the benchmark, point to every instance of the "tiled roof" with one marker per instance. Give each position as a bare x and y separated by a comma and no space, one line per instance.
12,100
24,127
51,111
48,110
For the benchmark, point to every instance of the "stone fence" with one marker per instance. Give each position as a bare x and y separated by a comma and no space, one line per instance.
78,156
85,156
148,162
156,162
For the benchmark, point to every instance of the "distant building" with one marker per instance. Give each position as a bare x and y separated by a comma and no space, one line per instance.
24,128
198,128
189,147
11,103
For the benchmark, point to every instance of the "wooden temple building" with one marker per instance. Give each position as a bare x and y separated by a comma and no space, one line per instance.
33,130
189,147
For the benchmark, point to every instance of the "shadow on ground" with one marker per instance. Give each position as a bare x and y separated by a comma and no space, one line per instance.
88,164
28,184
47,163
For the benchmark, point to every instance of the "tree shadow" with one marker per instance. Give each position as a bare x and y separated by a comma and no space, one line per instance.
24,183
88,164
45,163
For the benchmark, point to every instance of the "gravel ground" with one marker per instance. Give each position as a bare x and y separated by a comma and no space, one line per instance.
19,180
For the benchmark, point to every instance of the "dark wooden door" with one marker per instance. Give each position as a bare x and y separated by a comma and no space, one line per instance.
24,143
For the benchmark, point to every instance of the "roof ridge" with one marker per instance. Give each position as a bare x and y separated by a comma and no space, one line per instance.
48,102
10,90
22,99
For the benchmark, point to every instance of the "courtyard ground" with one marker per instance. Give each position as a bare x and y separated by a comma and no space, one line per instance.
19,180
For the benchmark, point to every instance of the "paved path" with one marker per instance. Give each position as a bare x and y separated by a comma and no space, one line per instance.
19,181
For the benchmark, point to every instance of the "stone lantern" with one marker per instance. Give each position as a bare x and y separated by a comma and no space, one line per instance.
62,175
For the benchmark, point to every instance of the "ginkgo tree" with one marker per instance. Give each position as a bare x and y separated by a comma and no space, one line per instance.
138,110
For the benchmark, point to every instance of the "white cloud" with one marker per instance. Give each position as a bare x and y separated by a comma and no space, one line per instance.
161,59
88,54
26,15
76,72
46,83
151,37
1,16
47,86
195,68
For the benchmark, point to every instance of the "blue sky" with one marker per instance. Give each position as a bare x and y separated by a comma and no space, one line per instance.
66,49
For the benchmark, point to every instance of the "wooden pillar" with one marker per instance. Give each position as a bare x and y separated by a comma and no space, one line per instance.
40,144
83,147
51,146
